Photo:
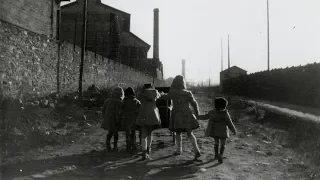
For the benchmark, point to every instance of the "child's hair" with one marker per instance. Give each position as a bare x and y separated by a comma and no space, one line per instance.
117,92
129,92
220,103
147,86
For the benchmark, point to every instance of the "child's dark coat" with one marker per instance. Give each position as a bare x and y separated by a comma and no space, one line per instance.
130,109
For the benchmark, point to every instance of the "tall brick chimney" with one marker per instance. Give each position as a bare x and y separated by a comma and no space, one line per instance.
156,34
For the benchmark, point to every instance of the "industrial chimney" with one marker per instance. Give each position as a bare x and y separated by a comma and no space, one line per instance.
184,68
156,34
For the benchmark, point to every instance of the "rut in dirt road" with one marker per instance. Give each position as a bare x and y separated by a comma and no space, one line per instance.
249,155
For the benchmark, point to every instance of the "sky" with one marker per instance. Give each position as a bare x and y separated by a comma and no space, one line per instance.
192,30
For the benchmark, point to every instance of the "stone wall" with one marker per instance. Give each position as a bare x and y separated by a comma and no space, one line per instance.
29,66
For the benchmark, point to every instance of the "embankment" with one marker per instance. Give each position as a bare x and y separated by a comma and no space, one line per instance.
292,129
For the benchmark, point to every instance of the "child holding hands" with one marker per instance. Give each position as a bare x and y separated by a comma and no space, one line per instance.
218,126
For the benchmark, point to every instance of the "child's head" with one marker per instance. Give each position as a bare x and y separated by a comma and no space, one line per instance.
147,86
129,92
178,83
117,92
220,103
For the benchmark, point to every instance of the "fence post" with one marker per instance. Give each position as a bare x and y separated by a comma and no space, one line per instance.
83,46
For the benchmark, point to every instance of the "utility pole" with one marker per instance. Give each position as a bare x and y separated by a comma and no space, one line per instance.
84,31
209,75
221,55
228,54
268,35
59,48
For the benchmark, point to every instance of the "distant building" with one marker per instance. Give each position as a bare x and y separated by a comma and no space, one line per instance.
108,34
184,68
232,72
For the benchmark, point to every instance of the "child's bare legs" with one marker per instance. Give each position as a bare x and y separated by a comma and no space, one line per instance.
193,140
179,143
146,141
144,136
149,142
133,140
216,147
108,139
115,140
222,147
128,140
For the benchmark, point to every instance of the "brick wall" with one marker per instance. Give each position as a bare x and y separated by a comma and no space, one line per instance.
36,16
29,66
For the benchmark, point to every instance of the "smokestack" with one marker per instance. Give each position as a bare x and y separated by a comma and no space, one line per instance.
184,68
156,34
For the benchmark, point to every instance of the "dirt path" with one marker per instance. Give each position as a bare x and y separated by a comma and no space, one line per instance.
249,155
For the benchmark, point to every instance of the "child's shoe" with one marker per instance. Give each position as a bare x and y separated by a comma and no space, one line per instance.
197,155
108,146
216,151
145,155
220,158
177,153
115,146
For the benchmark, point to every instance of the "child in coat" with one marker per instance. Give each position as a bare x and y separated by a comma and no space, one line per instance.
111,117
148,117
218,126
130,109
183,117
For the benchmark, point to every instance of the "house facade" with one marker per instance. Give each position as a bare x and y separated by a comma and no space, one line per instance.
229,73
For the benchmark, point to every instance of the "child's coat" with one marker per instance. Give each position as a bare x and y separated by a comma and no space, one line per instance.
219,123
130,110
111,110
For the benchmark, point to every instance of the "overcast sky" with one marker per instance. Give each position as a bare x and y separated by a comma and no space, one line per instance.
191,30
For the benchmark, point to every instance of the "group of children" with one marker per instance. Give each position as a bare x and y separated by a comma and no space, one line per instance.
119,114
123,111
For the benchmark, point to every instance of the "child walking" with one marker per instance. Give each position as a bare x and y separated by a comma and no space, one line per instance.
218,126
148,117
183,118
130,109
111,117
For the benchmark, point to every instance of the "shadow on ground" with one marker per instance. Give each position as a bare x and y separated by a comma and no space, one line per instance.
103,165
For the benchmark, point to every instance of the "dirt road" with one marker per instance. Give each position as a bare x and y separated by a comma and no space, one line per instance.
249,155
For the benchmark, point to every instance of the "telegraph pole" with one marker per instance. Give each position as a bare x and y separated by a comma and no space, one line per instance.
268,35
228,54
209,75
84,31
221,56
209,78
